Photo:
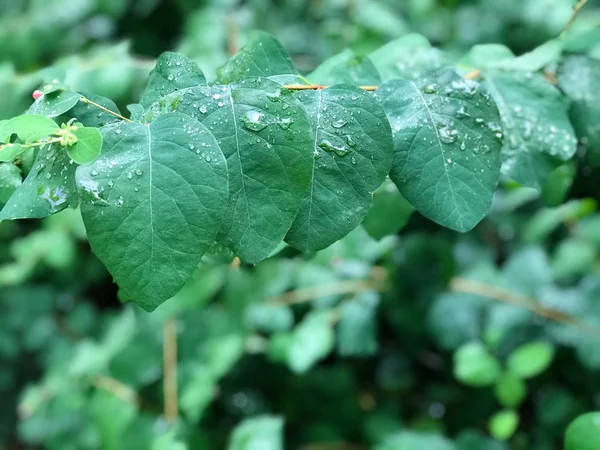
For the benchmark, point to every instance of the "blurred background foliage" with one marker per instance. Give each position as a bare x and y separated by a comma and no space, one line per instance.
402,336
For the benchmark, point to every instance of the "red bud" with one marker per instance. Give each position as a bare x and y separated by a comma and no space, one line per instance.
37,94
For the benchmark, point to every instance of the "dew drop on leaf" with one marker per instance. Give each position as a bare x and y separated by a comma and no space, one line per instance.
252,120
339,123
329,147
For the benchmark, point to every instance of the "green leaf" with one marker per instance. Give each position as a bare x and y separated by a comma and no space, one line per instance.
352,151
409,57
475,366
88,145
379,222
579,78
54,104
10,180
503,424
357,327
266,137
152,204
558,183
9,152
90,115
29,128
531,359
573,257
510,390
540,57
311,341
263,56
485,56
584,433
172,72
411,440
258,433
48,188
538,134
346,67
268,318
447,141
111,415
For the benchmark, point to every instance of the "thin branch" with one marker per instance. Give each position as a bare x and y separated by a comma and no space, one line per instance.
580,4
170,370
115,387
325,290
315,87
87,100
235,264
473,75
504,295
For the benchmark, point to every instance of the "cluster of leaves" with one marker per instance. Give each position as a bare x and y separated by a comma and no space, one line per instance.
268,170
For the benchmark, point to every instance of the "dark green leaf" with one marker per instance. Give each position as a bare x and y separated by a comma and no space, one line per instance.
356,330
171,73
352,156
263,56
346,67
266,137
90,115
153,203
389,213
10,180
447,140
48,188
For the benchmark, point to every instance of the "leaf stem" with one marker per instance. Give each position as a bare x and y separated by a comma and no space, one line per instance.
314,87
33,144
467,286
580,4
87,100
170,370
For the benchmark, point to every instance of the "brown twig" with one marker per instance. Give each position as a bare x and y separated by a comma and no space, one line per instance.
115,387
325,290
170,370
580,4
473,75
504,295
316,87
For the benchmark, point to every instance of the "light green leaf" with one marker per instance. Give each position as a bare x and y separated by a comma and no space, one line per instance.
88,145
538,134
409,57
48,188
54,104
484,56
258,433
172,72
510,390
352,151
531,359
111,416
29,127
540,57
10,180
346,67
9,152
266,137
447,140
152,204
475,366
411,440
269,317
584,433
379,222
311,341
357,327
579,78
557,185
503,424
263,56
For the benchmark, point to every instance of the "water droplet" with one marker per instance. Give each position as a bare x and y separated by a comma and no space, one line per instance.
274,96
170,77
203,109
94,173
339,123
252,120
430,89
462,112
111,183
118,131
448,135
217,96
207,158
329,147
513,142
48,176
129,175
353,160
463,146
139,172
351,142
285,123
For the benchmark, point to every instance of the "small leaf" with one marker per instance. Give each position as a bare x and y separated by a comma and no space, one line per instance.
538,134
10,180
48,188
9,152
379,222
258,433
352,156
171,73
54,104
584,433
475,366
558,183
484,56
346,67
29,127
540,57
357,327
409,57
152,205
503,424
88,145
510,390
447,140
263,56
529,360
